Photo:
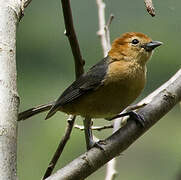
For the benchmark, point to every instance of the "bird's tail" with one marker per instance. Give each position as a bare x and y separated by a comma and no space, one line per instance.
35,110
52,111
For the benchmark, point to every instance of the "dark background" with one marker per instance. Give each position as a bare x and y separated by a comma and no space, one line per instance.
45,69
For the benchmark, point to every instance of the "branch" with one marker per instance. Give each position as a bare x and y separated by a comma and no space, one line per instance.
89,162
26,3
63,141
107,33
104,35
111,170
149,7
97,128
70,33
101,32
9,99
79,63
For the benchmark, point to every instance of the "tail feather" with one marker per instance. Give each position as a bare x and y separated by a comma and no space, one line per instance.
52,111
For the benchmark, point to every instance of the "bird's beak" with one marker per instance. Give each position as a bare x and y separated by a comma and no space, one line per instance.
151,45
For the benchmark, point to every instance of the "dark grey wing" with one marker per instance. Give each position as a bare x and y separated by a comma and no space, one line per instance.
87,82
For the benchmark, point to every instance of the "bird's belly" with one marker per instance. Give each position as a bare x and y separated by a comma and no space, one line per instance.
104,102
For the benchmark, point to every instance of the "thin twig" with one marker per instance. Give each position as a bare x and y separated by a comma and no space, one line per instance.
70,33
22,8
111,172
63,141
111,17
107,33
149,7
104,35
26,3
101,32
22,5
79,70
97,128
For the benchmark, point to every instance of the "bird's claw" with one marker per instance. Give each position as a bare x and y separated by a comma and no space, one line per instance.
137,117
96,144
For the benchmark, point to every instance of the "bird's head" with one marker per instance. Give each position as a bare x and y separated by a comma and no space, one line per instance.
133,46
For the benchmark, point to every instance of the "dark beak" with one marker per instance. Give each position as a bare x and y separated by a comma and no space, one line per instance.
151,45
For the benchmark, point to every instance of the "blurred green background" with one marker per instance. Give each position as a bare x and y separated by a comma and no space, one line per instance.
45,69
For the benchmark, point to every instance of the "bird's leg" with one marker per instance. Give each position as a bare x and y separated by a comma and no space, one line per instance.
139,118
88,134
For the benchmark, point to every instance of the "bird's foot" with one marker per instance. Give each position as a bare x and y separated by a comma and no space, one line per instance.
98,144
137,117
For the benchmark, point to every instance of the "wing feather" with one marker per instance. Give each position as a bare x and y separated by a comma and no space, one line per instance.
87,82
84,84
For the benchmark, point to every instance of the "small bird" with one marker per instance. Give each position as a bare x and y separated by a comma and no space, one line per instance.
110,85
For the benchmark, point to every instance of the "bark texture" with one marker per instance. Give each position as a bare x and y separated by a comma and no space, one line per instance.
9,100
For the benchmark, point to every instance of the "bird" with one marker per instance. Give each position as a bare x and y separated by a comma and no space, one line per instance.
111,85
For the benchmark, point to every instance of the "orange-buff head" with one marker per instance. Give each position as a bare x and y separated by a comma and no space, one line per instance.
133,46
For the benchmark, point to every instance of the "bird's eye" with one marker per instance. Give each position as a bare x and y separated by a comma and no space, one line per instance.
135,41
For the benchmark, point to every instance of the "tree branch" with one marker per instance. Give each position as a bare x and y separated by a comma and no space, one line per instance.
61,146
102,24
26,3
9,99
70,33
89,162
79,63
149,7
107,32
97,128
104,35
